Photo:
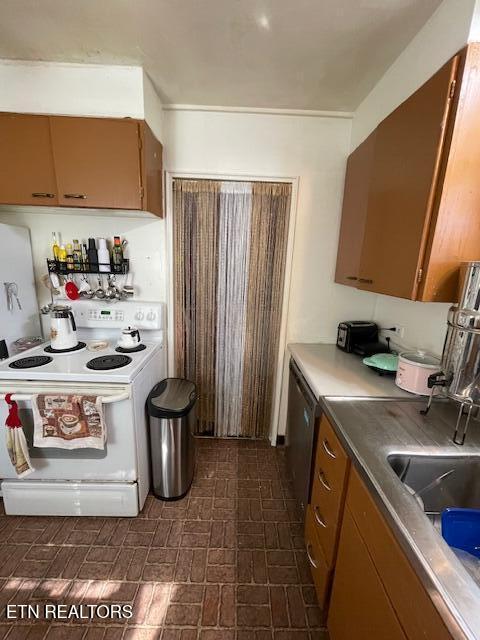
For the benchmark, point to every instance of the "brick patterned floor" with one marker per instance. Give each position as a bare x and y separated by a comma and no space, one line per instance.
225,563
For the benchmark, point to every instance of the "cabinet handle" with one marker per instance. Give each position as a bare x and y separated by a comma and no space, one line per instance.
352,278
77,196
323,480
43,195
328,449
310,557
366,280
319,518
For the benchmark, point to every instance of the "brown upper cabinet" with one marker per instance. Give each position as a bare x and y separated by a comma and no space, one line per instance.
354,216
27,174
97,162
411,209
80,162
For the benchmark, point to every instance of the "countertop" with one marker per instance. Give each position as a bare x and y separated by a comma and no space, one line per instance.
370,430
330,371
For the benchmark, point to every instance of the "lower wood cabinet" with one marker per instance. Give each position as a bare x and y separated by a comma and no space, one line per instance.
325,511
328,489
408,596
320,570
360,608
365,584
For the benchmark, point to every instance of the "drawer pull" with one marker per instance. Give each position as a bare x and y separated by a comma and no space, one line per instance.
352,278
309,556
366,280
319,518
323,480
77,196
41,194
328,449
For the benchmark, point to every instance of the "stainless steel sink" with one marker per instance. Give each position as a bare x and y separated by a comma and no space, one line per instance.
440,481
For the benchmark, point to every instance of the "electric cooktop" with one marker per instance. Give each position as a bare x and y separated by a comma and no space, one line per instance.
78,366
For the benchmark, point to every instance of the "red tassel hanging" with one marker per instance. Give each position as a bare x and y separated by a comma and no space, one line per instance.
13,419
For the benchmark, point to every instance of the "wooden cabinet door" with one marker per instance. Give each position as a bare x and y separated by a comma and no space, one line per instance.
409,598
456,234
97,162
359,607
27,175
405,168
152,171
354,212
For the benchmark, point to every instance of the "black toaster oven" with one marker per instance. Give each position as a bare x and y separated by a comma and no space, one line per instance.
356,332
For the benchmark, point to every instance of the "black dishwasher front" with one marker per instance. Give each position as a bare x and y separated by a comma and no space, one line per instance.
303,410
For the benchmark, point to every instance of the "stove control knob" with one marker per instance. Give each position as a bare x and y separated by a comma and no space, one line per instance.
139,315
151,316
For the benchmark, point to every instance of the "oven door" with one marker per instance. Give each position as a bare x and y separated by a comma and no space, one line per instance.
117,462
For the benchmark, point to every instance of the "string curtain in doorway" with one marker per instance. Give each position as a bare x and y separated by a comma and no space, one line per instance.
230,241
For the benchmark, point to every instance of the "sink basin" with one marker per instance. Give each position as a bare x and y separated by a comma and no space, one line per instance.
441,481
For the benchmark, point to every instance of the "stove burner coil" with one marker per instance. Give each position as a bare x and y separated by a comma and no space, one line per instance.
30,362
140,347
105,363
78,347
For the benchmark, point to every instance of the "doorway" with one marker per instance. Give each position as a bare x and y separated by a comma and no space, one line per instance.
230,244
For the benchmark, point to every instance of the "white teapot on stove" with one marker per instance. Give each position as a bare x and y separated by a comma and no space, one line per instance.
129,338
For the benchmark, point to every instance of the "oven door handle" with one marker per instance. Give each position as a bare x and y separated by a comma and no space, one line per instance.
18,397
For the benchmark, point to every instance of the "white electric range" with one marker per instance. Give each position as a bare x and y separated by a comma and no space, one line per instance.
110,482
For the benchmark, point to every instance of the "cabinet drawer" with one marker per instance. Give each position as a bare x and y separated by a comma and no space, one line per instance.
330,458
327,505
318,566
409,598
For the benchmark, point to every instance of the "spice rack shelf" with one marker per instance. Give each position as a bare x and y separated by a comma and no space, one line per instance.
69,268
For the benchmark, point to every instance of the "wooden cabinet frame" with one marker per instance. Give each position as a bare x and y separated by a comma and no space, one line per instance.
365,584
99,163
440,226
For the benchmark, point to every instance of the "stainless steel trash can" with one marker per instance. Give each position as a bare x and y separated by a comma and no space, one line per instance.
171,412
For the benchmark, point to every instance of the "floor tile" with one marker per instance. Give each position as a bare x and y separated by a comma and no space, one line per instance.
227,562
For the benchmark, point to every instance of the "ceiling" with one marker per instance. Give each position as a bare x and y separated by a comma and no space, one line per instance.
294,54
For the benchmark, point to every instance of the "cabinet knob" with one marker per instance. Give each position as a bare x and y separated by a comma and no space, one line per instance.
77,196
40,194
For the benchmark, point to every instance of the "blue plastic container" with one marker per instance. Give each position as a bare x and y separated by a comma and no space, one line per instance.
461,529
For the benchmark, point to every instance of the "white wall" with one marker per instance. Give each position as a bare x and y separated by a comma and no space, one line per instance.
315,150
71,89
146,243
445,33
152,108
80,90
455,23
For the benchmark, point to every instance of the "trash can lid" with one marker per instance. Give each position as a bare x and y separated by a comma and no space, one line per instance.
172,398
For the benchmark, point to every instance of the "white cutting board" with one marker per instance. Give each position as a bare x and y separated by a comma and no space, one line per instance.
16,266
